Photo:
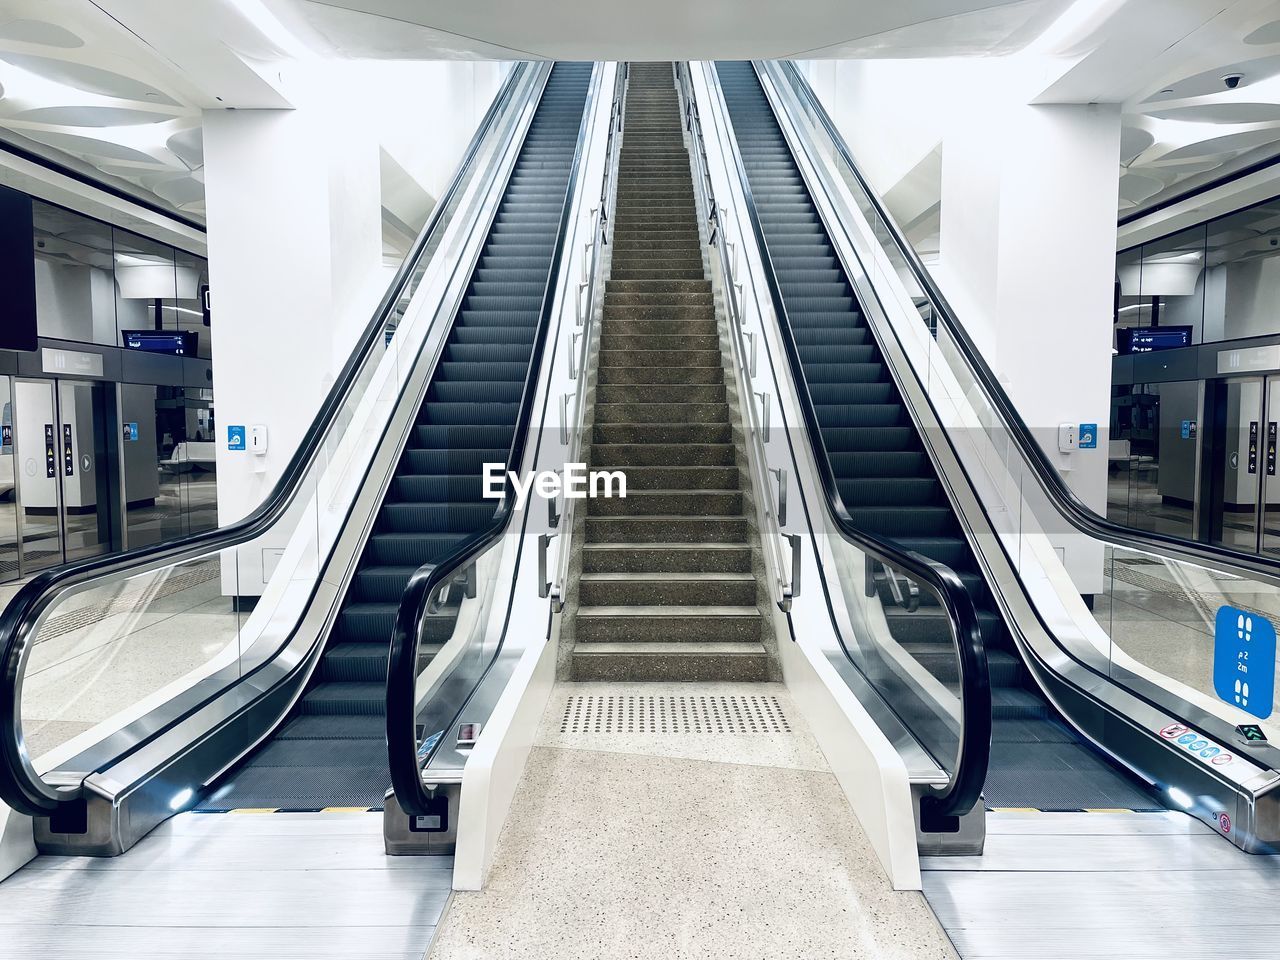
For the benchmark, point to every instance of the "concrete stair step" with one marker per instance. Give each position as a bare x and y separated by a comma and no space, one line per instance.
647,273
661,393
667,375
680,477
627,327
666,454
671,662
649,286
660,311
609,340
659,298
654,357
699,623
666,529
662,434
662,412
667,589
647,503
667,558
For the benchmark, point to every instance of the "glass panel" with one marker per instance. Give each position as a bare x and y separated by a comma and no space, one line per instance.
154,464
1153,459
1161,619
74,298
126,641
1268,467
185,310
8,485
146,280
86,443
1243,268
1171,286
1242,459
200,476
37,450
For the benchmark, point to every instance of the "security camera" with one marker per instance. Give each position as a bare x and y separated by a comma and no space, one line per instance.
1233,80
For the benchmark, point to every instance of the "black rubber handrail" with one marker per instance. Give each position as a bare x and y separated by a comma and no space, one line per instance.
964,787
402,661
20,787
1070,506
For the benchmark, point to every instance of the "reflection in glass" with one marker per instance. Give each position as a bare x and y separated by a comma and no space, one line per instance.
8,486
35,449
73,265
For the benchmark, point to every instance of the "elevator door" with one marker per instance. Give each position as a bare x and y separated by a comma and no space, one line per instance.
67,471
1244,513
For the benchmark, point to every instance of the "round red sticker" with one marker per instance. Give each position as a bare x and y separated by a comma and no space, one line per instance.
1173,731
1224,821
1222,758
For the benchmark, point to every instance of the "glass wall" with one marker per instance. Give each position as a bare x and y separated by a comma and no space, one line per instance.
1221,279
1195,458
95,464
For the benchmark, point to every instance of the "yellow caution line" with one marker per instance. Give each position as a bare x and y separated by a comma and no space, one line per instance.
254,810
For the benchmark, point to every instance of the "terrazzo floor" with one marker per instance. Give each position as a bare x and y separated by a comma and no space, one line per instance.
684,844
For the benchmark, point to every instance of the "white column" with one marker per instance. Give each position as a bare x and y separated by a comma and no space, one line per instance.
1027,256
295,247
294,242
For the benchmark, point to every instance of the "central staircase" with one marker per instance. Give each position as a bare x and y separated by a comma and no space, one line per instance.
667,589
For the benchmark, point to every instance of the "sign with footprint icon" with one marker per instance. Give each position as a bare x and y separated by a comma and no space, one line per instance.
1244,660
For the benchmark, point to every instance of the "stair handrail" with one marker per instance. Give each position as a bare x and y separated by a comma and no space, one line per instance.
416,603
787,567
556,587
20,787
1067,503
964,786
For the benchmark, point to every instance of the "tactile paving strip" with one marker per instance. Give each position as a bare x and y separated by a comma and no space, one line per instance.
709,713
93,613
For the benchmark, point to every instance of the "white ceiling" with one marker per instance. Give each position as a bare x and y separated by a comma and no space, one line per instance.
120,84
74,81
668,29
1183,125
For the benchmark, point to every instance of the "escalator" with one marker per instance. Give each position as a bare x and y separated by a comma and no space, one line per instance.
888,483
280,702
332,752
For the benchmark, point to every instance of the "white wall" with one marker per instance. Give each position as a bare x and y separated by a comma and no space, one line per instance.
295,240
1027,229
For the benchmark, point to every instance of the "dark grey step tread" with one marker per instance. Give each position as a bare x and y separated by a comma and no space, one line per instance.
668,577
673,546
674,648
682,612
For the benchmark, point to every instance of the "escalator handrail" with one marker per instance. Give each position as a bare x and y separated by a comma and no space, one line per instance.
19,787
402,659
1063,498
964,787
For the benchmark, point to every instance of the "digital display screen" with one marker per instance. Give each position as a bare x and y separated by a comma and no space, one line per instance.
179,343
1151,339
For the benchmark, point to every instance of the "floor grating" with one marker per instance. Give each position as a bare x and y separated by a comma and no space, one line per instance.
638,713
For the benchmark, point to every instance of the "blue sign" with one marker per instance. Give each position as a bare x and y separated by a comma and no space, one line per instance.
1088,436
1186,429
131,431
1244,660
235,438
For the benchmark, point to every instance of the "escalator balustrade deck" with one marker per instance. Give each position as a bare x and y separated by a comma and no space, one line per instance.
331,751
887,481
